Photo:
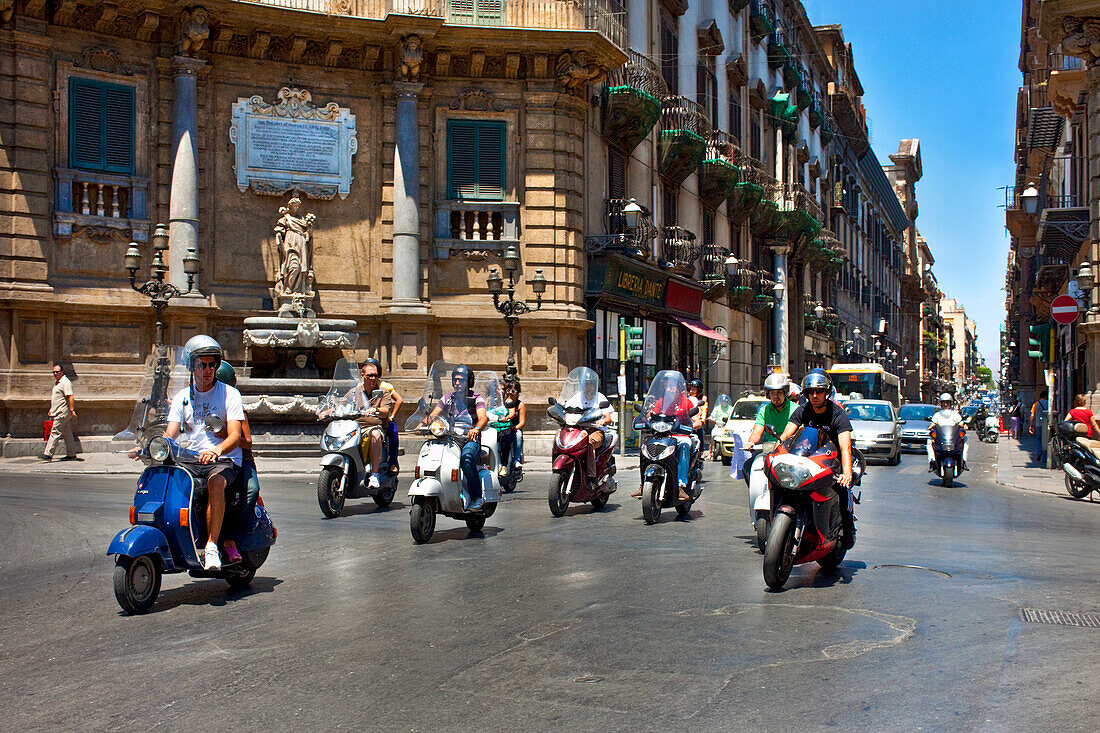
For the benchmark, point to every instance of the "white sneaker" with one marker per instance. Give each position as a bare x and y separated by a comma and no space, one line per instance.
212,559
502,471
519,466
374,482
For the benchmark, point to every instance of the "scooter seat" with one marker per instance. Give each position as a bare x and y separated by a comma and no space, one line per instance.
1090,445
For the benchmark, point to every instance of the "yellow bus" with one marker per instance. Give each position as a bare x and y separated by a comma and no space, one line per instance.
870,381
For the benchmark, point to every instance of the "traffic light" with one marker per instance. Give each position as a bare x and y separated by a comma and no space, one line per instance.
633,340
1039,343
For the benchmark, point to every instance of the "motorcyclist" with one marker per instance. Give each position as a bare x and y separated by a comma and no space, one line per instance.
376,412
675,403
822,413
391,423
586,398
948,416
699,399
219,460
249,476
464,406
775,413
510,426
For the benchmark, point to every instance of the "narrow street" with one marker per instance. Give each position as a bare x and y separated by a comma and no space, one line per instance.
591,621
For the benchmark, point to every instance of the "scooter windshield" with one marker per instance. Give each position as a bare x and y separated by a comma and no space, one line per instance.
946,434
807,441
164,376
345,394
449,394
667,396
581,392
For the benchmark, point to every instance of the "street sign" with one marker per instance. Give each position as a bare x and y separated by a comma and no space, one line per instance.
1064,309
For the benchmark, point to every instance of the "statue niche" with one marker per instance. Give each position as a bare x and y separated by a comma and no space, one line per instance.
293,291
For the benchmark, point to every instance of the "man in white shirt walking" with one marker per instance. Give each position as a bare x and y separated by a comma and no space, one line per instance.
63,413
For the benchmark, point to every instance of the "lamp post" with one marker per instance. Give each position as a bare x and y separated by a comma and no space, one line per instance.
159,291
511,308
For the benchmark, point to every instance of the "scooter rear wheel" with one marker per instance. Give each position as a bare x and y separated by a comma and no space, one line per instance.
240,581
761,527
599,502
329,496
384,497
475,524
778,558
137,583
1076,489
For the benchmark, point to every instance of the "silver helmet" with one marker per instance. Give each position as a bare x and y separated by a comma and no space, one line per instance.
817,379
777,381
202,345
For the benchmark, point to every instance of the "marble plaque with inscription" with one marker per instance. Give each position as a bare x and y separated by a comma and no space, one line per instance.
292,145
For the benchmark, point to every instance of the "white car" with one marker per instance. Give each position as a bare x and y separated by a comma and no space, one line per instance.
740,423
876,430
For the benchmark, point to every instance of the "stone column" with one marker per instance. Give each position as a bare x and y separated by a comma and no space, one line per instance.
781,315
183,203
406,202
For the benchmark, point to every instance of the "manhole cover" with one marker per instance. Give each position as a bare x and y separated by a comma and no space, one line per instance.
1060,618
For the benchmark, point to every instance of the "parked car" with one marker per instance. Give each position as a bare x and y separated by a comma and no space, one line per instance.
740,423
876,429
914,431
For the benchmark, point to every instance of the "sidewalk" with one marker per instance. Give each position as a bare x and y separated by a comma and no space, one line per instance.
1016,467
119,463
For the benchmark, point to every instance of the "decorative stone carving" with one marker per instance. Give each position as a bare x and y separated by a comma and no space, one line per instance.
194,30
332,52
339,7
443,63
293,145
102,58
575,71
412,55
7,7
511,66
294,281
477,63
368,57
297,48
147,24
1081,38
100,235
108,12
477,100
258,43
64,12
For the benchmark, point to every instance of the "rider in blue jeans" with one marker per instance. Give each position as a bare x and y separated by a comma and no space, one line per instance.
464,406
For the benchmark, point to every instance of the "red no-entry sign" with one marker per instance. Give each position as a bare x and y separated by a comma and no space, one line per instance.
1064,309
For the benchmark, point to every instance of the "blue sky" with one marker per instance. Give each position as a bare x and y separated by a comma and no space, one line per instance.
945,72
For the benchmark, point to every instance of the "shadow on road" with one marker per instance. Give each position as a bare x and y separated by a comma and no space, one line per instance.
369,507
812,575
210,592
463,533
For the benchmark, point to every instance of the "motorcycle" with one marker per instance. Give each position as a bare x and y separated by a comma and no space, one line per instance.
168,514
439,486
947,447
807,522
1071,450
343,473
570,460
660,427
992,429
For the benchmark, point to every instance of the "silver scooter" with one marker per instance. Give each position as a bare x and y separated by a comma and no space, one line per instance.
344,474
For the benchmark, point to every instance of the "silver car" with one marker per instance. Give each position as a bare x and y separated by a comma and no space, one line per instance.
916,419
876,429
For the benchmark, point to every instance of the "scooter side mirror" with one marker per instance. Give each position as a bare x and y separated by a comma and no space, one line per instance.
693,412
604,404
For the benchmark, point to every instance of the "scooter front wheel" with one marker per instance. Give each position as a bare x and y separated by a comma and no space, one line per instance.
778,553
422,520
558,495
651,502
329,496
137,583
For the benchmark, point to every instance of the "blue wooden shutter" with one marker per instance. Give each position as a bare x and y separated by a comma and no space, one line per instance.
101,126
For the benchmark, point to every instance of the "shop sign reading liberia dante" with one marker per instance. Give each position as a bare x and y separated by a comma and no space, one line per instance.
635,283
292,145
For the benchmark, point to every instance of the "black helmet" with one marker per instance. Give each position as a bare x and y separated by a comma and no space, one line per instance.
697,383
463,371
226,374
377,365
816,379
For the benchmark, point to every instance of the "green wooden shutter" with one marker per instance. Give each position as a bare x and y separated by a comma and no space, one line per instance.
475,160
101,126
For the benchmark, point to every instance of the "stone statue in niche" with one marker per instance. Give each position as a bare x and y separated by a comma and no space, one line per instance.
294,281
412,55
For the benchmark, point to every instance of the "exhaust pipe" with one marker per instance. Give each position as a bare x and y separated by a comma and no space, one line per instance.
1073,472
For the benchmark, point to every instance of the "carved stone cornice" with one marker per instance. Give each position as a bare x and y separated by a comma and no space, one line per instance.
1074,25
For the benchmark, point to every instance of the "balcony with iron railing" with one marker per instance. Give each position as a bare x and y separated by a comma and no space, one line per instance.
606,17
714,259
1063,209
749,190
679,250
636,241
100,202
682,143
632,102
720,170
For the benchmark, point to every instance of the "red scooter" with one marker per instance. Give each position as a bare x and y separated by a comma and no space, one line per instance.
807,520
571,481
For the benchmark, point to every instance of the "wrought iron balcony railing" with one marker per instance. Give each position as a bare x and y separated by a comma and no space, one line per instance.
640,73
679,250
714,262
635,242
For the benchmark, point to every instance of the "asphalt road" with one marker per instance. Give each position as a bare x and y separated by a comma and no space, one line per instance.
594,621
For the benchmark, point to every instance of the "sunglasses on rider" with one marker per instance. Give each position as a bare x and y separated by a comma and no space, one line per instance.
814,391
206,364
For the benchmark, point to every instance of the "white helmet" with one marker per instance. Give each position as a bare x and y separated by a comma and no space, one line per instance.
777,381
946,397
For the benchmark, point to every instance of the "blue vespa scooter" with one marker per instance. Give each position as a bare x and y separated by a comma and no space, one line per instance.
168,521
168,516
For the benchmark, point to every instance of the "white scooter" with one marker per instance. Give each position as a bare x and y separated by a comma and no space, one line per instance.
343,474
760,496
992,429
439,486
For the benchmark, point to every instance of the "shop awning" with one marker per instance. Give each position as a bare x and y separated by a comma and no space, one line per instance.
699,327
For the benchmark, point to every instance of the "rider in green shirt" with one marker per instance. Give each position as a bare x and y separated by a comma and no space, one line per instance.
775,413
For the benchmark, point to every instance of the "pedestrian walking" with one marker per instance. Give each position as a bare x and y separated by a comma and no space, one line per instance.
63,413
1015,415
1039,426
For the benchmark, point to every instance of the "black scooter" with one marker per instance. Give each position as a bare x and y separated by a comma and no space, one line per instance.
1078,462
947,447
659,462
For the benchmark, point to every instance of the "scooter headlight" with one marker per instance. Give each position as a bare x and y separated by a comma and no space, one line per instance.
572,418
438,428
791,474
657,450
339,441
662,426
159,450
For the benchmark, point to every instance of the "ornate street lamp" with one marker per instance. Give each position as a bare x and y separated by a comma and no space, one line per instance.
159,291
511,308
1030,199
819,311
1085,276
